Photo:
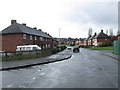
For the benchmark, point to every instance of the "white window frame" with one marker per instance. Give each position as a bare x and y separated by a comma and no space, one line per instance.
24,36
41,38
35,37
31,37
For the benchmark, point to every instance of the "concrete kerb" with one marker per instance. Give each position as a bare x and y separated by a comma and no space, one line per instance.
109,55
45,62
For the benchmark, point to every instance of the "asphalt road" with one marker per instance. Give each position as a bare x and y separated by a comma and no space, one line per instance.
87,69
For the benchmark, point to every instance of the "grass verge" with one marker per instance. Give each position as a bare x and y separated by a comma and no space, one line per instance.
32,55
101,48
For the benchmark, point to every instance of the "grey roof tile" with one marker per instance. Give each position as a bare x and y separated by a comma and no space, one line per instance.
19,28
102,35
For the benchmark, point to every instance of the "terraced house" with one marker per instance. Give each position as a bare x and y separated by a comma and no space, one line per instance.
20,34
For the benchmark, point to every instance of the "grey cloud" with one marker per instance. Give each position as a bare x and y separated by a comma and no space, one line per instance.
95,13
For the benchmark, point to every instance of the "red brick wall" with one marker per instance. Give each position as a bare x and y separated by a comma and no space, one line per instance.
37,42
104,40
11,41
27,41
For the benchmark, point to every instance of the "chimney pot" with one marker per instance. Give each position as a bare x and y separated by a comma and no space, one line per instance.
95,33
34,28
24,24
13,21
40,29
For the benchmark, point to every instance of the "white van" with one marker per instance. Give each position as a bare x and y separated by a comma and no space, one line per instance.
28,48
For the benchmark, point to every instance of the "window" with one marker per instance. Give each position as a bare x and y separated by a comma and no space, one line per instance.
30,37
23,48
24,36
41,38
28,48
35,37
45,39
46,46
50,39
34,48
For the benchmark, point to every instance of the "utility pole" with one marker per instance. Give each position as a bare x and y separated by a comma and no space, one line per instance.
59,34
107,32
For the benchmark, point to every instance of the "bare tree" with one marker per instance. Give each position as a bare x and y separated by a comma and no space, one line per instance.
111,32
90,32
107,32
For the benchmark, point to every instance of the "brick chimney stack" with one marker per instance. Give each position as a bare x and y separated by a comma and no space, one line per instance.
95,34
35,28
40,29
101,31
13,22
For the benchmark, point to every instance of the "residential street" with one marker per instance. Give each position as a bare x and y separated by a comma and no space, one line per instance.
86,69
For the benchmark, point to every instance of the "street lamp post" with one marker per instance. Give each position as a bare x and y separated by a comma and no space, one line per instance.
59,34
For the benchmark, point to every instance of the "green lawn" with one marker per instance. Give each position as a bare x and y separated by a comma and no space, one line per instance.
60,45
23,57
101,48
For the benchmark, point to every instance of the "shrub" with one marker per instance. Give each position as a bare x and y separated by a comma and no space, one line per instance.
55,50
105,44
85,46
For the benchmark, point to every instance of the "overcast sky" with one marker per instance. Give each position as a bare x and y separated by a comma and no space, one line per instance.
74,17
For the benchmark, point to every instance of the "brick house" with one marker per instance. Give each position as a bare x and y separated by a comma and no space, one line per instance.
101,38
20,34
90,40
87,42
118,37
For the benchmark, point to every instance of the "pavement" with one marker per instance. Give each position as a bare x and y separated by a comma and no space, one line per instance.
7,65
66,54
109,53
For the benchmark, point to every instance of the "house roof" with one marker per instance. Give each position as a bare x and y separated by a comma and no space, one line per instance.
92,37
17,28
88,38
102,35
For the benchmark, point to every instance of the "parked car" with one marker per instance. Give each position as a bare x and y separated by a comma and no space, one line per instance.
69,48
28,48
76,49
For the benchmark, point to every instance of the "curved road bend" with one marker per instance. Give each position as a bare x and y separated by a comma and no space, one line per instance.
87,69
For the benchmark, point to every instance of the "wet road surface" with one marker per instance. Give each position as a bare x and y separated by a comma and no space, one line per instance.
87,69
